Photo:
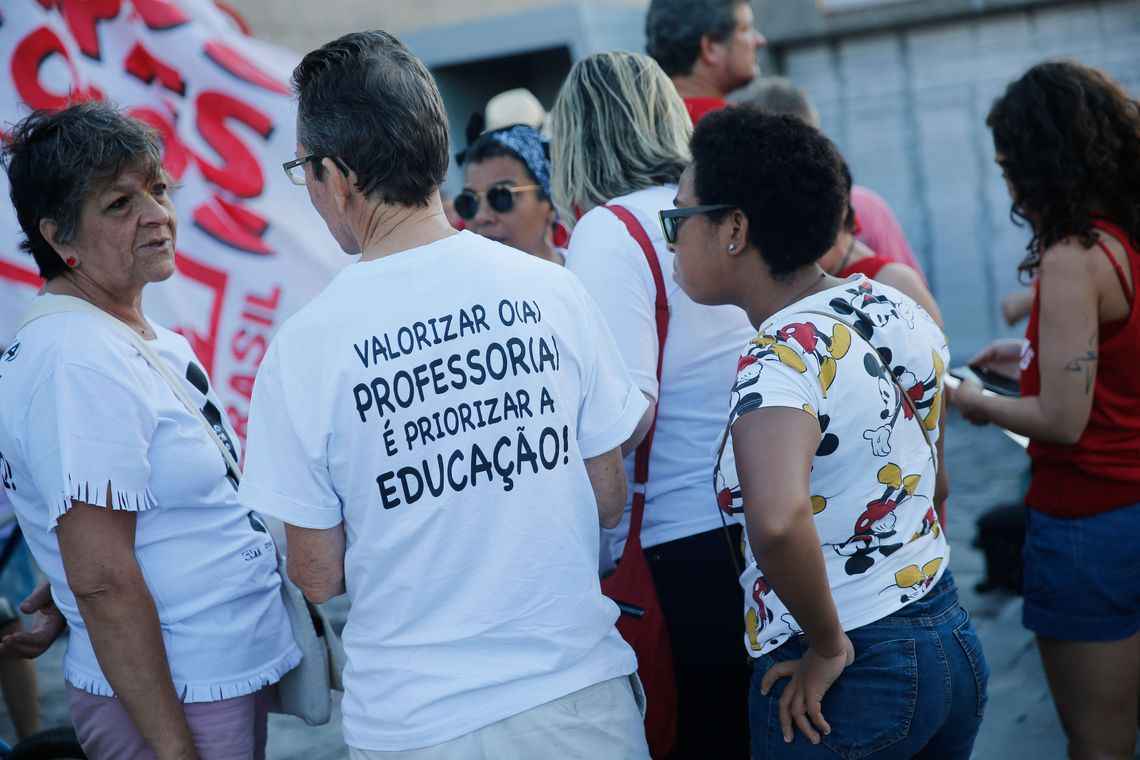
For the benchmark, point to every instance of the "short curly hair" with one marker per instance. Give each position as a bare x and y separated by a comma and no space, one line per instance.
1068,141
785,175
55,158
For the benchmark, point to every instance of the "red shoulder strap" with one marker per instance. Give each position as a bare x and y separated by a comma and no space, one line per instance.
661,310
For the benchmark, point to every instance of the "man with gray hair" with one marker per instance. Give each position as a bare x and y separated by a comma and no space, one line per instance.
707,47
440,432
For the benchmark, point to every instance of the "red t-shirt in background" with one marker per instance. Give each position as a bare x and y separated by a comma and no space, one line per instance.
1101,471
879,229
698,107
870,266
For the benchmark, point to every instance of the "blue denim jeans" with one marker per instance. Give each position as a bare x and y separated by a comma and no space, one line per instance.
917,689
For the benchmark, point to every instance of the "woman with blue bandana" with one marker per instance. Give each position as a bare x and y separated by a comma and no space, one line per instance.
506,191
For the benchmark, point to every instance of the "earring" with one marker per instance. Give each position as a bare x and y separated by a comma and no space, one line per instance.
72,262
731,247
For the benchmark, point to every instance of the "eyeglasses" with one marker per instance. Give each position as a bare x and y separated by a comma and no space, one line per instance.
500,197
295,169
671,218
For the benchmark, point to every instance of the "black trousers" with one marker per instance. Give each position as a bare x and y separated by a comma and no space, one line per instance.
704,608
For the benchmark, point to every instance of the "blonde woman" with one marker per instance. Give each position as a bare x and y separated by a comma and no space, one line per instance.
620,139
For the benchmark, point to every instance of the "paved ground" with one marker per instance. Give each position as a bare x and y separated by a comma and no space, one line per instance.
986,469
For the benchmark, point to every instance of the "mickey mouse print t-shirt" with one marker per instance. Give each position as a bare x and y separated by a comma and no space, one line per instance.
872,480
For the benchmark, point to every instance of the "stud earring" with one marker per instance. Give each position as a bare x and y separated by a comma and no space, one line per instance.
731,247
72,262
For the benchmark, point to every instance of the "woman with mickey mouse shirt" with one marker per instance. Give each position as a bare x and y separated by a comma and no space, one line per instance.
170,588
861,647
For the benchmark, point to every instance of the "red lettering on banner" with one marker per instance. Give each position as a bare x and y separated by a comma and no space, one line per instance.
83,16
233,224
142,65
175,154
18,274
247,349
240,171
204,343
29,56
161,14
241,67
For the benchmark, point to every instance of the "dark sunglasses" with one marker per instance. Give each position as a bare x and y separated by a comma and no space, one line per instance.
671,218
500,197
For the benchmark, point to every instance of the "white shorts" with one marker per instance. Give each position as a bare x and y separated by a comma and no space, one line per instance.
605,720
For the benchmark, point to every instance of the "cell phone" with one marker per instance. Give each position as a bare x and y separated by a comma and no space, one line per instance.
994,382
630,609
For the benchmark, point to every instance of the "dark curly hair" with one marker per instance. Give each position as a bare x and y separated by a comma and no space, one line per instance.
786,177
54,159
1068,141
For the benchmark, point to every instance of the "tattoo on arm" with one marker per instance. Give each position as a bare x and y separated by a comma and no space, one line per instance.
1083,364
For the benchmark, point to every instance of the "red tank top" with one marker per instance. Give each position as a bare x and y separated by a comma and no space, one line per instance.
869,266
1101,471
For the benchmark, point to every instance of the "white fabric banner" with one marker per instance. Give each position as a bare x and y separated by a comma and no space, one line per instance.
251,250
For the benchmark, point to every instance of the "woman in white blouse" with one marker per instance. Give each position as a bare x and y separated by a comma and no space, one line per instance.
169,587
619,137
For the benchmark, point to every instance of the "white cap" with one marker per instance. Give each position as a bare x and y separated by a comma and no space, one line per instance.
518,106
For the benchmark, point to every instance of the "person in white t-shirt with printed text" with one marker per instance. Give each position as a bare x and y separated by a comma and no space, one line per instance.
440,432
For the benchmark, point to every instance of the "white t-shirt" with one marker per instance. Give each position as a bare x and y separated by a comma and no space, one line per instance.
440,402
80,409
872,479
700,359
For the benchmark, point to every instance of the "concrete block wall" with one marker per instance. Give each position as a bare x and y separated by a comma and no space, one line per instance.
908,108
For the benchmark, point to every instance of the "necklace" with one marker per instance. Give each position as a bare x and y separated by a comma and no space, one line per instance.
846,256
799,294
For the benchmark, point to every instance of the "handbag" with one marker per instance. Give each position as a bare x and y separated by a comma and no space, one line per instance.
305,691
642,621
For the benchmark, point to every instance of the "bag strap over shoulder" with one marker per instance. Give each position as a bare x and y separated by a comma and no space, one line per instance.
44,306
661,317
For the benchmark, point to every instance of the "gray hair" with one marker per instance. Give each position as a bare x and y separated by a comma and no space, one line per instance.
366,101
54,159
618,126
778,95
674,28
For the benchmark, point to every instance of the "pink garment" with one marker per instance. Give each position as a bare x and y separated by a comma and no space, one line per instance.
231,729
878,228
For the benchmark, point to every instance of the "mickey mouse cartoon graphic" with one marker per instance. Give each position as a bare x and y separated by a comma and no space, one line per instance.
756,620
827,350
913,580
875,527
925,395
876,307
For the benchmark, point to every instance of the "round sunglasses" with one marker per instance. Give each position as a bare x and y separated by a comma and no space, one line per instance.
500,197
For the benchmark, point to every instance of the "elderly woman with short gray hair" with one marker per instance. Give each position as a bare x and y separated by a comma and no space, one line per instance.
620,142
170,588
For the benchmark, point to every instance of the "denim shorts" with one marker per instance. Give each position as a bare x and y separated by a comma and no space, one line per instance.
917,689
1082,576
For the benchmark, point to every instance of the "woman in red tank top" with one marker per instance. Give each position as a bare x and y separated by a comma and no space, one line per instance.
1068,141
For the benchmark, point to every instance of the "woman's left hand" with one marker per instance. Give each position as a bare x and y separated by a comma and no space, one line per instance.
966,398
802,700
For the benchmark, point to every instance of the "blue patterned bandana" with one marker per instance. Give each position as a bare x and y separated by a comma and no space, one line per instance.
530,146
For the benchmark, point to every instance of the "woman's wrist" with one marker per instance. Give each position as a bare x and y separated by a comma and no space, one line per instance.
830,643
